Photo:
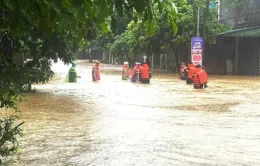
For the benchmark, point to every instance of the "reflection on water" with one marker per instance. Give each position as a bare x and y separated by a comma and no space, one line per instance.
115,122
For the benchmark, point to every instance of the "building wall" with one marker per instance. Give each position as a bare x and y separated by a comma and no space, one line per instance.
216,55
247,15
226,14
212,61
249,56
244,51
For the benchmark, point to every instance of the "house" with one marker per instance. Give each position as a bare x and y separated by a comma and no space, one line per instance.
240,47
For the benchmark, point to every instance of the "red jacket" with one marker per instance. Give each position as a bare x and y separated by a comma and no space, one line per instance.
145,71
182,68
135,69
96,71
127,71
191,68
200,77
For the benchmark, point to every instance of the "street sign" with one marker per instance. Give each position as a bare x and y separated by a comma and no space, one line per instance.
196,50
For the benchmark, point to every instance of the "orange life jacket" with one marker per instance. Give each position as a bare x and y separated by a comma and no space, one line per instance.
145,71
182,68
191,68
203,76
127,71
196,79
96,72
200,77
135,69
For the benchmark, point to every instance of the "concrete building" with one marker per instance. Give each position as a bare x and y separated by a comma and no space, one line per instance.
240,47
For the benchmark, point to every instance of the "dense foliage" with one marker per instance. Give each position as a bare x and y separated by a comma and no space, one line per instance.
45,31
137,39
9,133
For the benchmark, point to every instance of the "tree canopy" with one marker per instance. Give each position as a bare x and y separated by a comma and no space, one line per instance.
50,30
137,39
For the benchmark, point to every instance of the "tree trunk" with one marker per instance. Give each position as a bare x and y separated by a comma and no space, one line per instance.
133,62
30,86
148,61
128,59
90,58
176,60
6,47
149,56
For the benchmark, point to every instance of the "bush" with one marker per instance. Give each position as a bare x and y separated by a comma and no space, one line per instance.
9,131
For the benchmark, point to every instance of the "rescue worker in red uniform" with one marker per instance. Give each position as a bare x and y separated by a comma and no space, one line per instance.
183,71
125,71
96,71
191,68
135,76
145,74
200,78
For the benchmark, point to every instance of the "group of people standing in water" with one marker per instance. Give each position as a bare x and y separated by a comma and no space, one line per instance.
140,73
194,74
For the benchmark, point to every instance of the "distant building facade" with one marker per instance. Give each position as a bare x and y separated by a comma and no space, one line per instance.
240,47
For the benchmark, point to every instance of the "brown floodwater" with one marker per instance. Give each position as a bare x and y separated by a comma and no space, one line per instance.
115,122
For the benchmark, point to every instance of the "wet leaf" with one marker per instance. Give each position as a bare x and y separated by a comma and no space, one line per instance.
160,7
113,24
119,8
174,27
88,8
150,28
65,3
5,95
103,11
175,8
104,28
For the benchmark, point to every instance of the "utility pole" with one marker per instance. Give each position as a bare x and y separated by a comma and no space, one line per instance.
198,22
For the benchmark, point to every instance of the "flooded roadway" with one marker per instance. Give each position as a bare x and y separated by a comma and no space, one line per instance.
115,122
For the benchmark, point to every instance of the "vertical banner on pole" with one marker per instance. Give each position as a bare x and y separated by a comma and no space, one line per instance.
196,50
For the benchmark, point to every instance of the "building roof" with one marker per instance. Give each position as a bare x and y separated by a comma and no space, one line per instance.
243,32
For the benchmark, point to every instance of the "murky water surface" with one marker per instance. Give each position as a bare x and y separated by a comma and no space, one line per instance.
115,122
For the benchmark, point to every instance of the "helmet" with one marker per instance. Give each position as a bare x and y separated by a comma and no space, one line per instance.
126,63
198,66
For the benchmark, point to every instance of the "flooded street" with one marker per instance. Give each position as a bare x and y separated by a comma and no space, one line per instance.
114,122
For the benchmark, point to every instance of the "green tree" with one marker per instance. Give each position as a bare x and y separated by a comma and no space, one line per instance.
50,30
133,42
140,36
187,25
